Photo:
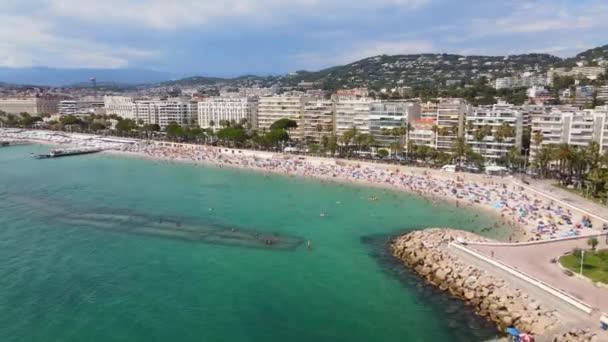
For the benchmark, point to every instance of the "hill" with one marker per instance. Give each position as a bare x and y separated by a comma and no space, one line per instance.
397,70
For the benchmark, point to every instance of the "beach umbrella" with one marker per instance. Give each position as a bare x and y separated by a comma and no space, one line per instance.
512,331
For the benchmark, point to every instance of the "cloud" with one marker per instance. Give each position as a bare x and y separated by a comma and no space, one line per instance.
176,14
37,44
357,51
542,16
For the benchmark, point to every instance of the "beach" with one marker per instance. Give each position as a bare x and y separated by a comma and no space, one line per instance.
529,215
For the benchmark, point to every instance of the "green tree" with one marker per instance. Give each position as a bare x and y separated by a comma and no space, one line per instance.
174,130
125,125
382,153
285,124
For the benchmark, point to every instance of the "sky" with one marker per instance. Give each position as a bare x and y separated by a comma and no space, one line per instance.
264,37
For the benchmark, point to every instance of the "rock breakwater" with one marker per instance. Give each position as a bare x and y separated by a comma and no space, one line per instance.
426,252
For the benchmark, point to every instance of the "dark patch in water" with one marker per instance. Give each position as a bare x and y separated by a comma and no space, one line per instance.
460,320
169,227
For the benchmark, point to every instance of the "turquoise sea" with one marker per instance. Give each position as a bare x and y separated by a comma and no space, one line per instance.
102,248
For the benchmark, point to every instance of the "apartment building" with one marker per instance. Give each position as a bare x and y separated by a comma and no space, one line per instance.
493,117
351,112
121,106
317,120
520,82
591,73
422,132
572,126
428,111
163,112
84,106
451,113
273,108
33,105
387,115
212,111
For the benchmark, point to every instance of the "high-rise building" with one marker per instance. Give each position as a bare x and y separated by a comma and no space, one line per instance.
121,106
386,116
82,106
572,126
274,108
493,117
317,120
450,122
163,112
212,111
351,113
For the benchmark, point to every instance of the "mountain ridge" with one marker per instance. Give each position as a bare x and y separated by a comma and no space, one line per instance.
423,69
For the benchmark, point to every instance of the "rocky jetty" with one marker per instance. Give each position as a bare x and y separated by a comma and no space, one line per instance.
426,252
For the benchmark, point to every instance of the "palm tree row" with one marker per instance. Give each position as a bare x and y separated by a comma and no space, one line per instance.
583,167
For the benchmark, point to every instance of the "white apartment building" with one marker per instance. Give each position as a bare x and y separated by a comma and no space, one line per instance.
386,115
121,106
422,133
572,126
428,111
351,113
273,108
212,111
32,105
521,81
451,113
589,72
82,107
494,116
163,112
317,120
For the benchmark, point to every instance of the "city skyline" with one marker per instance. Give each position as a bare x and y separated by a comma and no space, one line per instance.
211,38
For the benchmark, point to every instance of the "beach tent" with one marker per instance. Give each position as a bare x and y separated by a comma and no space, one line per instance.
496,170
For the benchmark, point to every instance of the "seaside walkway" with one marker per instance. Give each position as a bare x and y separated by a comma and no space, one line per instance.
535,260
519,262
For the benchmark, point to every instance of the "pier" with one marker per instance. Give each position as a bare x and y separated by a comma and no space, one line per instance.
67,152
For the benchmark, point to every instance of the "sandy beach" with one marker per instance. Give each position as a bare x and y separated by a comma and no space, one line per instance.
529,216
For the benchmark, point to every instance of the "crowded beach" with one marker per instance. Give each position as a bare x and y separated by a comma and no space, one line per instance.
531,217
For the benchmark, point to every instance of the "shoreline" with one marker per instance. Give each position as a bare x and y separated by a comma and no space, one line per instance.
429,254
511,205
517,232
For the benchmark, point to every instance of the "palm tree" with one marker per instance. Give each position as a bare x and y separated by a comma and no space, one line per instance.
480,134
459,148
543,158
537,138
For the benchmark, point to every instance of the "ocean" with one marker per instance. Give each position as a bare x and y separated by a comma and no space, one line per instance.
106,248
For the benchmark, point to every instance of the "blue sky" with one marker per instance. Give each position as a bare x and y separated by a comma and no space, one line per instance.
234,37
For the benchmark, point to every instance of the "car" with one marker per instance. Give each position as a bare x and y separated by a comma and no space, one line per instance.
448,168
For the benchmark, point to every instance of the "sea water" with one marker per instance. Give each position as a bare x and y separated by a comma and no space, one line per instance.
104,248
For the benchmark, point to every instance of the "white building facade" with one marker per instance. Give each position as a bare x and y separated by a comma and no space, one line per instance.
493,117
121,106
212,111
163,112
